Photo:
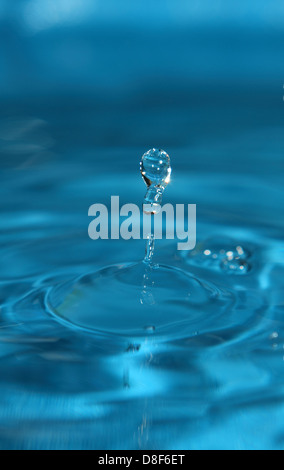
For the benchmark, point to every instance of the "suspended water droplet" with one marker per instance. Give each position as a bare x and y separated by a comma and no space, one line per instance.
155,168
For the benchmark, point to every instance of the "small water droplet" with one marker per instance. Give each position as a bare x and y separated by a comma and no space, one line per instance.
240,250
155,168
230,255
235,265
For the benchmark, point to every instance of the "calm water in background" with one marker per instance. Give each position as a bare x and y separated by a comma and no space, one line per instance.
75,120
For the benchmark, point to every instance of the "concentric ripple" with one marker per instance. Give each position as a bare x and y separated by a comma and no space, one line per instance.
135,301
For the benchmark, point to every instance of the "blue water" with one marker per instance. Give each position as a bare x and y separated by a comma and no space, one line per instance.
99,351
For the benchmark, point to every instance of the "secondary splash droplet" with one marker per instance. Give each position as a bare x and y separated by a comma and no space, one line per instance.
221,254
235,265
156,170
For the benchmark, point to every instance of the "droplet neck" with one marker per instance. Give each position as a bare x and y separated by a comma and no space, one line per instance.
149,252
153,199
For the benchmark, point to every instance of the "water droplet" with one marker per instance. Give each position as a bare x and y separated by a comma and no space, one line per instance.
235,265
156,170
